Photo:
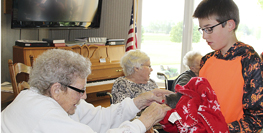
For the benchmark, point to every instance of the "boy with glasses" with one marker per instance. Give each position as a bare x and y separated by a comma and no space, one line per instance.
234,69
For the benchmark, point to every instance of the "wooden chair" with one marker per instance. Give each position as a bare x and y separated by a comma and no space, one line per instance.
31,59
14,70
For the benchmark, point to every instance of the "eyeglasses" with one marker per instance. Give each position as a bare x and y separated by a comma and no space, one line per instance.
75,89
209,30
147,66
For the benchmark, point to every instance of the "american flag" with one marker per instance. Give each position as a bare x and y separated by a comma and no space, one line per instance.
132,36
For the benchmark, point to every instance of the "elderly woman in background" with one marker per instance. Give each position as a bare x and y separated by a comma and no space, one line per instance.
191,60
137,69
55,102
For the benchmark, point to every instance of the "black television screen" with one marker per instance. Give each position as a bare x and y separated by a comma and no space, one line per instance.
64,14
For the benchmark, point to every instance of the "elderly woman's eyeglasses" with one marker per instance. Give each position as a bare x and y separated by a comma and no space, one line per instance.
149,66
75,89
209,30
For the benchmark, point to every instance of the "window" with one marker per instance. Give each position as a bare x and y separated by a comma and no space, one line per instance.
250,29
160,19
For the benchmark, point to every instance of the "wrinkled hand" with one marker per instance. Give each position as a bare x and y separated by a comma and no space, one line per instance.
146,99
153,114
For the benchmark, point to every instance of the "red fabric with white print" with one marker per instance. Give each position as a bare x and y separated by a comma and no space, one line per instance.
198,108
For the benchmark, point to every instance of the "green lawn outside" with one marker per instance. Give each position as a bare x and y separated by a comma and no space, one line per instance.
161,50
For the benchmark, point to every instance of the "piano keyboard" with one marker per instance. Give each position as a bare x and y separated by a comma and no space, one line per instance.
103,82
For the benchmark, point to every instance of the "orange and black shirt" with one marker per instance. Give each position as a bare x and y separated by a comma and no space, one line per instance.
236,77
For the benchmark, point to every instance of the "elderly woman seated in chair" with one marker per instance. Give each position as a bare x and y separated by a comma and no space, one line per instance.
191,60
137,69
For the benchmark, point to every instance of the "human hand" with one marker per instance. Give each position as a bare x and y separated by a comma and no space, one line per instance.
145,99
153,114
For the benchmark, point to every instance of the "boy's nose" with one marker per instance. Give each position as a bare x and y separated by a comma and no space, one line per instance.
205,35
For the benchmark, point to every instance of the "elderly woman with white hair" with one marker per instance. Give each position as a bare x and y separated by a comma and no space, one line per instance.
191,60
55,102
136,66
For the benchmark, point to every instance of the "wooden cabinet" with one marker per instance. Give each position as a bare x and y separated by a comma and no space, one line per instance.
100,70
22,54
112,54
105,71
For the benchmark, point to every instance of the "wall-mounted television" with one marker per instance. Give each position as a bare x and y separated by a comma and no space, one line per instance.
63,14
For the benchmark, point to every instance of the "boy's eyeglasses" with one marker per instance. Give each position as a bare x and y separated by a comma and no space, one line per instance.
209,30
75,89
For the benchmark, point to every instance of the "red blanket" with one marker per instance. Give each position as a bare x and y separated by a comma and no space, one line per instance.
198,108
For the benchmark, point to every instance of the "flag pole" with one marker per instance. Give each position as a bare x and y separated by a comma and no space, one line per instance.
134,14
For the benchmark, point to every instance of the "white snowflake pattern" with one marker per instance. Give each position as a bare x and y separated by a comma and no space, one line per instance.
201,108
210,101
193,129
216,106
185,110
198,80
183,129
214,92
208,89
203,95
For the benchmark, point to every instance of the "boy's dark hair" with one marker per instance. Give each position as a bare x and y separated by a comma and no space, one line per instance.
222,10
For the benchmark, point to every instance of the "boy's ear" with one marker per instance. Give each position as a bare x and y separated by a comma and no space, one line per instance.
231,24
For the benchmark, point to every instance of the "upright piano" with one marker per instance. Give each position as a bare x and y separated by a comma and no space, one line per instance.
105,69
105,66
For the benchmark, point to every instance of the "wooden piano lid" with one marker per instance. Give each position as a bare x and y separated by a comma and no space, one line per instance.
105,62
